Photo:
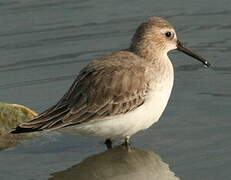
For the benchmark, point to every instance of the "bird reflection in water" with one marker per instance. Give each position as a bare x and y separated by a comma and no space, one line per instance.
119,163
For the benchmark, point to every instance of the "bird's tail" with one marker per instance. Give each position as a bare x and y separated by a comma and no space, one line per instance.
49,120
19,130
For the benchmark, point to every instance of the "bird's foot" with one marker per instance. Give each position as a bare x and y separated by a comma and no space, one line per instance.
127,142
108,143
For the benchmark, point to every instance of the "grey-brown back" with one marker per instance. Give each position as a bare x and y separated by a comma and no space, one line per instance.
108,86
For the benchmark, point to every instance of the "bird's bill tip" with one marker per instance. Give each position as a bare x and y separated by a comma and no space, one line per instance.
187,51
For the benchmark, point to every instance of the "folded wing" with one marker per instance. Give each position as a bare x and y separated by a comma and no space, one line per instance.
102,89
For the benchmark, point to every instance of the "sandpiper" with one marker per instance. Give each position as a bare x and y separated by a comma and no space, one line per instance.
118,95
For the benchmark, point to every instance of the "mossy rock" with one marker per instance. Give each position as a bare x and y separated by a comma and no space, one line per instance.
12,115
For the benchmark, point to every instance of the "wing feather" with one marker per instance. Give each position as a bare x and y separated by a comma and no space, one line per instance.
106,87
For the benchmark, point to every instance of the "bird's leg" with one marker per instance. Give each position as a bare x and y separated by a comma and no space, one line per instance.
127,142
108,143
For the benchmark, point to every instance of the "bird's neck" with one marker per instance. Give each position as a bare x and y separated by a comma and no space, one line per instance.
150,55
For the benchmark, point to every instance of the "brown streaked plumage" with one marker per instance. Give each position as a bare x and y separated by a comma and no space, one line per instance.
106,87
113,90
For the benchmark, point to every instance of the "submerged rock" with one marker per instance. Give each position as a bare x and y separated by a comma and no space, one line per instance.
10,116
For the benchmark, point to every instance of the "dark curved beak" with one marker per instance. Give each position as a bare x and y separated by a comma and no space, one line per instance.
187,51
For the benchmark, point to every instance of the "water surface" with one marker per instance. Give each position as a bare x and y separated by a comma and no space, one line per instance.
44,44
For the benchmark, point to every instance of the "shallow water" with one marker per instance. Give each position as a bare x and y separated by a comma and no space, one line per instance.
43,45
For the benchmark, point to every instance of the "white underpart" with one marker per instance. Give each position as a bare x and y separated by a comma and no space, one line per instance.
125,125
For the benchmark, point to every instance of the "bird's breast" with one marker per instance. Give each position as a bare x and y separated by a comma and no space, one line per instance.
159,93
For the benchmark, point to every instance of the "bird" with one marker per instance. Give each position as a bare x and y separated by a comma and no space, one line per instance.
120,94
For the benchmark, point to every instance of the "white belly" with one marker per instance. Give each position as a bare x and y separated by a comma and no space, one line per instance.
121,126
125,125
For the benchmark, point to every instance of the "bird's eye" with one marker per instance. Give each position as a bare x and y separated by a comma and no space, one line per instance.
168,34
